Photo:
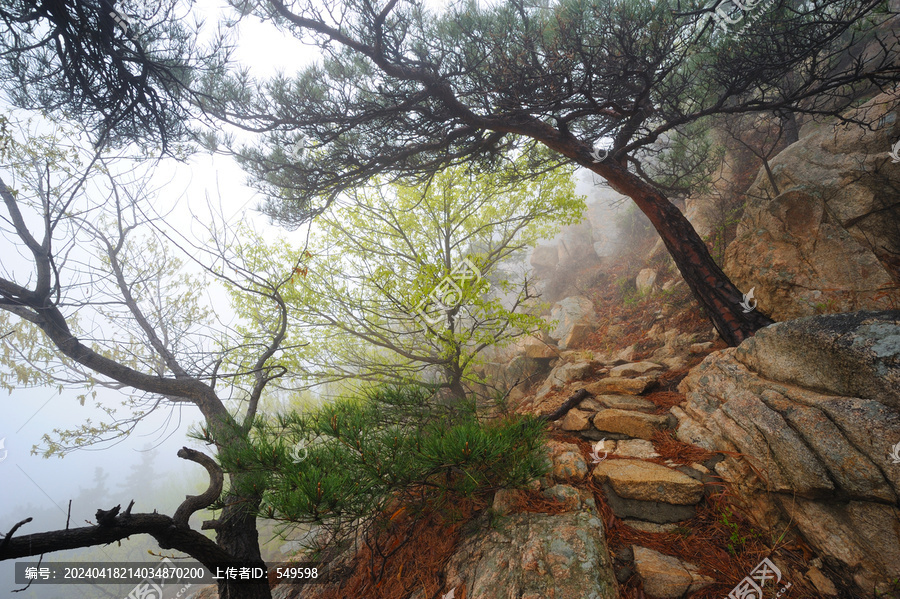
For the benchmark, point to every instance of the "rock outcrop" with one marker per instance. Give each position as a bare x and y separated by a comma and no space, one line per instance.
826,237
813,406
575,319
537,556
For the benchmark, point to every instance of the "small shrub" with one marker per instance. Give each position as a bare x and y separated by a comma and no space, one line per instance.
738,535
392,451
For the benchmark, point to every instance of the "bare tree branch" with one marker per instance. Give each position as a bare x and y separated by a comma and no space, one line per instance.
193,503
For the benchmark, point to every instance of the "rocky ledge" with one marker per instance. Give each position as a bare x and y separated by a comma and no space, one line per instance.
809,409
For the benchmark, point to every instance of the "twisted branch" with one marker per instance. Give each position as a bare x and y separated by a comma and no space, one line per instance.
193,503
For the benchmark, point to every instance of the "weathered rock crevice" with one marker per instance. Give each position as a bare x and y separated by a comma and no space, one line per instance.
812,403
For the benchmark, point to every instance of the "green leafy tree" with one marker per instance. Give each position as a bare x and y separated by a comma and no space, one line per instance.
402,283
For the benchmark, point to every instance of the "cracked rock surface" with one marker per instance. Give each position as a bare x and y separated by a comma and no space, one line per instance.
813,405
536,556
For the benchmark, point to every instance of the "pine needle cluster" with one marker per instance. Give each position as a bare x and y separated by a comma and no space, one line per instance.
361,459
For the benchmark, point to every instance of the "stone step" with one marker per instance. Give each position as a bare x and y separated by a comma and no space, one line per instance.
622,386
646,481
630,423
619,402
665,576
633,369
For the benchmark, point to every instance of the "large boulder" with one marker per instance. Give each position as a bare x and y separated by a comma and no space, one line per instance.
826,239
563,374
573,317
535,556
810,409
532,347
545,257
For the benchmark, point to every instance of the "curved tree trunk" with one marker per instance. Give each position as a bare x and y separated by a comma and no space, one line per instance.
457,390
709,284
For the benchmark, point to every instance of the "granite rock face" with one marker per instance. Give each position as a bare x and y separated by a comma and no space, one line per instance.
535,556
824,239
814,405
574,317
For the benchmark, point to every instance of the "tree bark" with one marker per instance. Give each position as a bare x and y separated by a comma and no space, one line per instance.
236,533
575,399
457,390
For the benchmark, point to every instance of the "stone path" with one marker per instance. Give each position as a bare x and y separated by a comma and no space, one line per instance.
648,493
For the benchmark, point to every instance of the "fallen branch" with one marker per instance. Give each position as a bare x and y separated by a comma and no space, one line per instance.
570,403
11,532
159,526
115,525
